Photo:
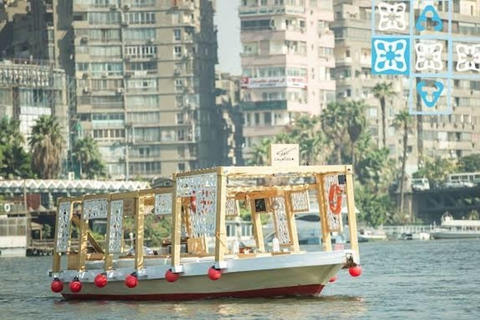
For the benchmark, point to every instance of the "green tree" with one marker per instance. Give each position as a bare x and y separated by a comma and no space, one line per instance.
356,123
374,208
403,121
306,132
46,145
375,170
470,163
436,170
333,120
14,160
87,155
382,91
259,154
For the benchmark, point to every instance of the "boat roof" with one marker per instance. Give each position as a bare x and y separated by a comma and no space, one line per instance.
461,223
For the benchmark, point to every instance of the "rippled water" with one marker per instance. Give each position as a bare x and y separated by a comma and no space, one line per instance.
400,280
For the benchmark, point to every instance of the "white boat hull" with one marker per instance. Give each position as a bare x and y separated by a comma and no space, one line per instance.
269,276
455,235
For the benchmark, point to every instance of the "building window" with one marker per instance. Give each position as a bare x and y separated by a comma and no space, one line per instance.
177,50
267,118
177,34
181,167
180,119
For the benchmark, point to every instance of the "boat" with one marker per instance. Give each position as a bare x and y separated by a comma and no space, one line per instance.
456,229
367,235
197,261
415,236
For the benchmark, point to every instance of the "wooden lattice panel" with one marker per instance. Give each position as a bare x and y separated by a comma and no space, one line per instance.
163,204
334,221
63,226
95,208
231,208
116,226
281,223
202,189
300,201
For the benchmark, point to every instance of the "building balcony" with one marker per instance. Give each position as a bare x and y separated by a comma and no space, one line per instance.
269,10
263,105
274,34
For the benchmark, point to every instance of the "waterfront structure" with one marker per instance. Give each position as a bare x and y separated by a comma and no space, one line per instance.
144,78
30,89
451,136
286,62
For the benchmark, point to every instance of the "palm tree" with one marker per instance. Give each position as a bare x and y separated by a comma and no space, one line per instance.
14,161
308,134
404,121
356,123
333,121
86,154
382,91
260,153
46,145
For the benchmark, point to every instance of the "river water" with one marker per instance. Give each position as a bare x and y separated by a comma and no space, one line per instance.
400,280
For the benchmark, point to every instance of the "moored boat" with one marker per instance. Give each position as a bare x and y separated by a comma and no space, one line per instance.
190,268
456,229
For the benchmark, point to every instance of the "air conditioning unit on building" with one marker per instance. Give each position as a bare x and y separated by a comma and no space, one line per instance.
113,7
71,175
105,74
86,90
126,7
119,90
84,39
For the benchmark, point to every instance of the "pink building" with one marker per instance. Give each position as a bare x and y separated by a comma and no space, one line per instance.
288,52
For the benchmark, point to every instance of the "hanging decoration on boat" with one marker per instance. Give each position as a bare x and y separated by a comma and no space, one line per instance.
75,285
131,280
100,280
231,208
57,285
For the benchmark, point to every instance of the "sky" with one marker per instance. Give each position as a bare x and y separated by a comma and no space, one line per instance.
228,37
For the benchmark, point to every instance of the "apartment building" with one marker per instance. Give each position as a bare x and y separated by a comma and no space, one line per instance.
145,77
450,136
287,58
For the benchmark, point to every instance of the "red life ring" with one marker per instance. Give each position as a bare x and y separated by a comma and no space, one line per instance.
335,198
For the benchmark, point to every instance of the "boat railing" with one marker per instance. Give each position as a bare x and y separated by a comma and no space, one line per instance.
397,230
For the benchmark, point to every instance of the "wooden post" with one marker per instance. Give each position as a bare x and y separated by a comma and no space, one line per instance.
257,225
220,228
326,240
83,241
139,229
176,224
292,224
352,221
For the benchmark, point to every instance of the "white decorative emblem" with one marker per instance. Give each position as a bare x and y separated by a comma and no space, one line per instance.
468,57
390,55
392,16
429,56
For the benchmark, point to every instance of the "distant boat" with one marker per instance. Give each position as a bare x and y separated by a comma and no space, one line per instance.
457,229
415,236
365,235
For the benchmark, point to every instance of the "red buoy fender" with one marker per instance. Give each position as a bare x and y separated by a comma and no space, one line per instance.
75,285
335,198
170,276
355,271
100,280
214,274
57,285
131,280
